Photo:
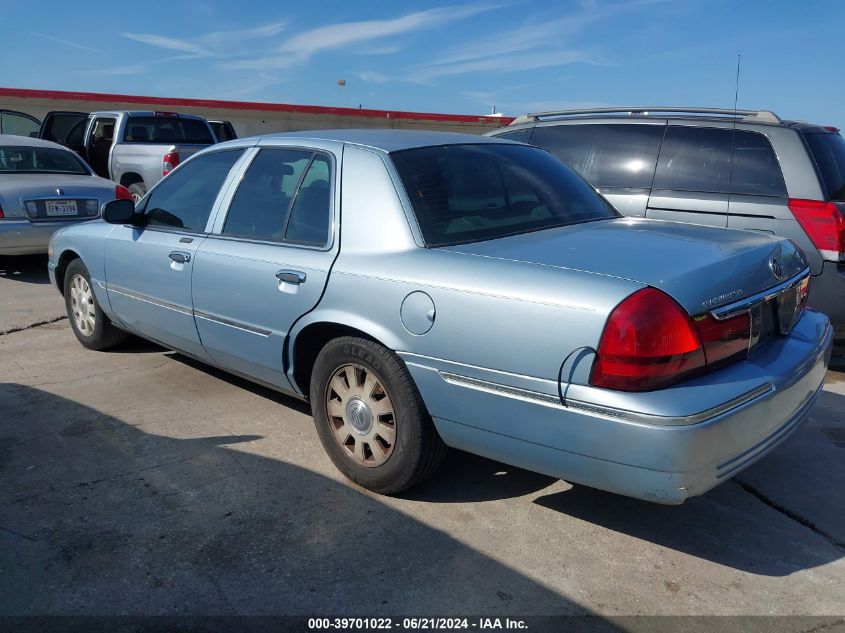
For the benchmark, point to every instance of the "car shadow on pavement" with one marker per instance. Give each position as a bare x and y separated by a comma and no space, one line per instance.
784,514
30,269
99,516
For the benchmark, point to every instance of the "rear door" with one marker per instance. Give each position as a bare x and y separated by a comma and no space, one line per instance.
692,180
65,128
148,268
99,144
618,159
268,259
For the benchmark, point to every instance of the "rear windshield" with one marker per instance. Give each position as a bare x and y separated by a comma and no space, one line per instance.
166,130
469,193
39,160
828,150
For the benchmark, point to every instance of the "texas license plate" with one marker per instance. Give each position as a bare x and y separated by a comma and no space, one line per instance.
60,207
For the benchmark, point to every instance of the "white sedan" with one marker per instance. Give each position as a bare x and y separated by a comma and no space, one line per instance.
44,187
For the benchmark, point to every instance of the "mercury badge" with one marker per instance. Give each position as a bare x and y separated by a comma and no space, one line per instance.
776,265
60,191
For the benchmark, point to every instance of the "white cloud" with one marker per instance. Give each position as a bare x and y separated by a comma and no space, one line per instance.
510,63
66,42
170,43
374,77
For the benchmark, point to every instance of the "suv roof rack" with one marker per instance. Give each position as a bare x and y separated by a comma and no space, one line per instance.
762,116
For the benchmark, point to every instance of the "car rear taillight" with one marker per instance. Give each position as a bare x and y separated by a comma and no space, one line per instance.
122,193
171,159
824,224
2,215
649,342
724,341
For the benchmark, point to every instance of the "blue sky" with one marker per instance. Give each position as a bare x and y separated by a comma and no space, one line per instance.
464,58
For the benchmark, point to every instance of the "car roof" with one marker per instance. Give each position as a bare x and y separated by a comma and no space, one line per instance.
147,113
28,141
385,139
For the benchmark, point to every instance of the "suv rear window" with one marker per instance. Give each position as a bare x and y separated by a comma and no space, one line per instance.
469,193
166,130
605,155
828,151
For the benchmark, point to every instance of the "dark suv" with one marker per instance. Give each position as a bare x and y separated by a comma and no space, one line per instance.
731,168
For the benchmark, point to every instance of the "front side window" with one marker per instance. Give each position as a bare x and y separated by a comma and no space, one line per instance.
183,200
166,129
39,160
469,193
617,155
17,124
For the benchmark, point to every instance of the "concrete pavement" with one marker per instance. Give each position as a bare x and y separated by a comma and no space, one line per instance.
140,482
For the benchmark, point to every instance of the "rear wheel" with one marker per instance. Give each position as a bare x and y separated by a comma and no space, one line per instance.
88,322
370,417
138,191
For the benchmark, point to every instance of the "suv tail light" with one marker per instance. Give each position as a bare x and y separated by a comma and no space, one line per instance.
824,224
171,159
649,342
122,193
2,215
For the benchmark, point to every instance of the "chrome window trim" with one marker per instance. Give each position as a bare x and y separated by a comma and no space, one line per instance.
620,415
744,305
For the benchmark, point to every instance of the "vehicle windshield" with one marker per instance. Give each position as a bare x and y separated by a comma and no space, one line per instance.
828,150
39,160
470,193
166,129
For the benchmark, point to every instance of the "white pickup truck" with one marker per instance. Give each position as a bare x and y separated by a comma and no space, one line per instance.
133,148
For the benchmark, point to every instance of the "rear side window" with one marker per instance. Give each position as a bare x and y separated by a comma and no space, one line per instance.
756,170
166,129
828,151
183,200
605,155
699,159
469,193
261,205
523,135
695,159
311,211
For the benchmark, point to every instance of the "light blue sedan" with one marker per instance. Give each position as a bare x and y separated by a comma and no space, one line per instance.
425,290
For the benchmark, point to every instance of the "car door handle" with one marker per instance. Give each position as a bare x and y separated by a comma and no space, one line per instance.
291,276
180,258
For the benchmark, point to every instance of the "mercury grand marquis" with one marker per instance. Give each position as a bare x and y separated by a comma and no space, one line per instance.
425,290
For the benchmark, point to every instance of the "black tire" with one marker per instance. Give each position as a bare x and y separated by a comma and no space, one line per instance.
138,191
103,334
417,450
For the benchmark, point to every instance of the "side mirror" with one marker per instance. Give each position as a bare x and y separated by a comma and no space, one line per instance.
119,212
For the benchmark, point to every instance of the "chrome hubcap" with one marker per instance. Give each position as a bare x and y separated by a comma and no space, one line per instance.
361,415
82,305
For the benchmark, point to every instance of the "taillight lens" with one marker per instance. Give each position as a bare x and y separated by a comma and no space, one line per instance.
824,224
171,159
122,193
723,341
649,342
2,215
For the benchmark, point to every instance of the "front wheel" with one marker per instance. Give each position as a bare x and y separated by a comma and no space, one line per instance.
370,417
91,326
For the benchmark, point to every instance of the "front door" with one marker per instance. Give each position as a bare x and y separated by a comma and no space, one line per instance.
149,267
268,261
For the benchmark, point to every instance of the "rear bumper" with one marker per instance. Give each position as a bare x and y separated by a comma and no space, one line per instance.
664,462
22,237
827,295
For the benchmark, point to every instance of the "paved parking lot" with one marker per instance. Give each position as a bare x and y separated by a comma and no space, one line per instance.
140,482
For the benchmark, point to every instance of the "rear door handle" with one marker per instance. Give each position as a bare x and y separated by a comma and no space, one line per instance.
291,276
180,258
